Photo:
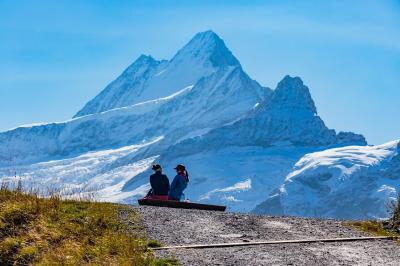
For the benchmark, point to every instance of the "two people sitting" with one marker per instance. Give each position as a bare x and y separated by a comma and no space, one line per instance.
160,187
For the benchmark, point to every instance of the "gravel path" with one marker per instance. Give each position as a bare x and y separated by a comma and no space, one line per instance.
178,227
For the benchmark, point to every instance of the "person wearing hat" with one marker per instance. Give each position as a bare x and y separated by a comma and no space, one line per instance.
159,183
179,183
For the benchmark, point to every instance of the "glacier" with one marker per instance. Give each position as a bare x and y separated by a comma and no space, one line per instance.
352,182
245,145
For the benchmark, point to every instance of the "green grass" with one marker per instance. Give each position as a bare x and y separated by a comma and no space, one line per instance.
51,231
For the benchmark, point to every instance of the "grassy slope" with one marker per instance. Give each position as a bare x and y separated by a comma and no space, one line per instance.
52,231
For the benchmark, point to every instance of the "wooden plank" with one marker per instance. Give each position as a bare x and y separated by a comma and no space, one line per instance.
222,245
180,204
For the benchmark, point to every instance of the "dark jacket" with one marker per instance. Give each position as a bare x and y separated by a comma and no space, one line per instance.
159,184
177,186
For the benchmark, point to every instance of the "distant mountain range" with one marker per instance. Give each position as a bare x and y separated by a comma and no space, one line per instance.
245,145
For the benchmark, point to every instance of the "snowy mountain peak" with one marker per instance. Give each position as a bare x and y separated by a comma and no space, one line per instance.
144,58
291,94
141,64
149,79
125,88
207,47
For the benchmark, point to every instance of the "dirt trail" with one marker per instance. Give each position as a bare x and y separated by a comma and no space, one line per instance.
178,227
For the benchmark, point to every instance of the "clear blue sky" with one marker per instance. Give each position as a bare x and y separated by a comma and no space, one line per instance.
56,55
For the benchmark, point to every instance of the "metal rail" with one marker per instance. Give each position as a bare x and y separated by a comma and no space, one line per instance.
223,245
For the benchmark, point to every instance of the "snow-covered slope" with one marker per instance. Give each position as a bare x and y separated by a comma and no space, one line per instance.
148,79
238,177
213,101
353,182
92,172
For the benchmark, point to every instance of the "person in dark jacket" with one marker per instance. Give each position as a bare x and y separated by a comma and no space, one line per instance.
159,182
179,183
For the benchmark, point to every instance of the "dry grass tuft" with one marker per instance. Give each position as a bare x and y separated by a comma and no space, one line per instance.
390,227
52,231
372,227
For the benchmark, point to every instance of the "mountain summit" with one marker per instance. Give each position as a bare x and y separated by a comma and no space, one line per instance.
207,47
292,95
148,79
